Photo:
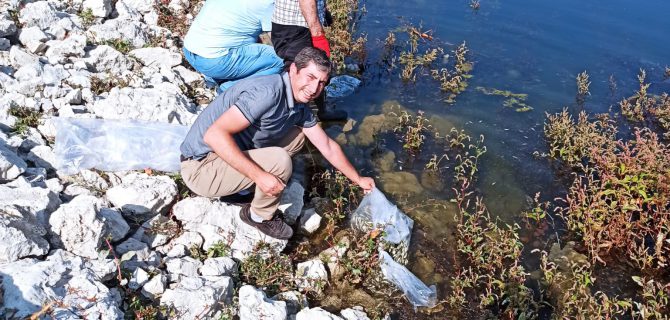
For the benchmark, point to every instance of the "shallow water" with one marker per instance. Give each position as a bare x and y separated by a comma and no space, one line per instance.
531,47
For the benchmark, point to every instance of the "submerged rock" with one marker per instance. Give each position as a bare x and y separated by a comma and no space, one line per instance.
401,182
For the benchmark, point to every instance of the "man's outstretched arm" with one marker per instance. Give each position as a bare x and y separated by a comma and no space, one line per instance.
219,137
333,153
309,12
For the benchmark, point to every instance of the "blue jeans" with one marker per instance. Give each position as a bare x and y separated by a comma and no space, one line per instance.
242,62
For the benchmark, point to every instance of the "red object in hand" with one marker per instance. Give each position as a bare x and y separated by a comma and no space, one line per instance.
321,42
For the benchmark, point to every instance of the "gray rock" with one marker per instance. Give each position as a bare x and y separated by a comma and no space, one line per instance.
310,221
133,32
30,72
186,266
78,227
187,76
155,287
7,25
198,296
177,251
217,221
19,239
188,239
311,275
164,103
316,314
355,313
41,14
222,266
143,258
130,245
157,57
104,58
60,50
156,231
254,305
292,201
140,194
34,204
42,156
99,8
141,6
4,46
11,165
19,57
117,227
28,283
295,301
127,11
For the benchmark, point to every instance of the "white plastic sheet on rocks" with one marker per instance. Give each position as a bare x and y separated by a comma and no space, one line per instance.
375,211
111,145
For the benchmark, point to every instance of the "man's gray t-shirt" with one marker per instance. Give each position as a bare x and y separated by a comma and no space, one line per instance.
266,101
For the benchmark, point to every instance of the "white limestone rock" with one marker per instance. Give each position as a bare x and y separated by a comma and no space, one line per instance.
333,256
104,58
28,283
7,25
255,306
126,11
11,165
99,8
311,275
164,103
34,204
221,266
295,301
138,279
33,39
78,227
310,221
42,156
19,57
186,266
217,221
141,6
143,258
133,32
155,287
20,239
187,76
198,296
292,201
47,128
140,194
157,57
355,313
187,239
60,50
41,14
316,314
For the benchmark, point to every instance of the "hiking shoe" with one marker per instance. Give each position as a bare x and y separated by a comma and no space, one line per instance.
332,115
275,227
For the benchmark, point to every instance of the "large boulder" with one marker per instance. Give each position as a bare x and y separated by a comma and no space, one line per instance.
104,58
28,283
79,227
60,50
19,239
164,103
254,305
133,32
34,204
198,297
33,39
217,221
141,194
41,14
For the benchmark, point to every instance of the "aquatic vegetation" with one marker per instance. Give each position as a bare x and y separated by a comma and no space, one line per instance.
583,84
433,164
474,4
412,130
341,193
454,82
514,100
666,74
340,33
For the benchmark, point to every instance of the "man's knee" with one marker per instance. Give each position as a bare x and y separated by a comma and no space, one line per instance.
281,163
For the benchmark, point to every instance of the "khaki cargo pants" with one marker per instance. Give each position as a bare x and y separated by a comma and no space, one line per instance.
213,177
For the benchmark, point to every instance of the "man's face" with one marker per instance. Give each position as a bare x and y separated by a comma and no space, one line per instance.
308,82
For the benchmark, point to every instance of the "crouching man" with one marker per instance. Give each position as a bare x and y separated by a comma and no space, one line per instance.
248,134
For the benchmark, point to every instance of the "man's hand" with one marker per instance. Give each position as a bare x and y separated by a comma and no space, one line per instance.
320,42
366,183
270,184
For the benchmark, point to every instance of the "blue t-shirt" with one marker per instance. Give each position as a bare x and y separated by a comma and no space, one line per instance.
223,24
266,101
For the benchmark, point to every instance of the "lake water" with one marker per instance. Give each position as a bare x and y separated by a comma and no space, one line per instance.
531,47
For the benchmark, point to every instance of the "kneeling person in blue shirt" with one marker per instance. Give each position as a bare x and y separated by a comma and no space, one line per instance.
248,134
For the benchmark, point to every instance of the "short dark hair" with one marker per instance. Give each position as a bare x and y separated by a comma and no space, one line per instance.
311,54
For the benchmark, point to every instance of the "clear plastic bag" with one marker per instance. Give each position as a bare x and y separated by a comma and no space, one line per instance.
415,290
117,145
375,211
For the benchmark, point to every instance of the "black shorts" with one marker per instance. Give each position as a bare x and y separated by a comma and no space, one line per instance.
289,40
